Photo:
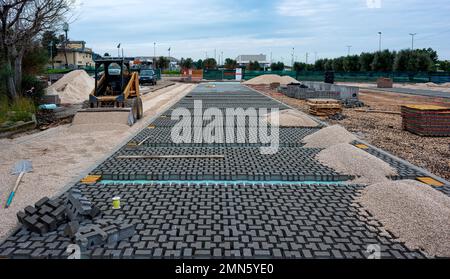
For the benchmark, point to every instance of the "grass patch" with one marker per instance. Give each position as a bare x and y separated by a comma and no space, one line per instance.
21,109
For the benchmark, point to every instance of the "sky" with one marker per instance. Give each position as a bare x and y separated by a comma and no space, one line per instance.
314,29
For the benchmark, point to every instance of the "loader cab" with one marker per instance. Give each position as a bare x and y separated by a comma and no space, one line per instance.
111,77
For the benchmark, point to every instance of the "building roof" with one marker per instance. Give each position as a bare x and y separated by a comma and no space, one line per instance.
246,58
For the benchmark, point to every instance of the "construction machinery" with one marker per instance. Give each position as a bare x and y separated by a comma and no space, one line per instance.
116,90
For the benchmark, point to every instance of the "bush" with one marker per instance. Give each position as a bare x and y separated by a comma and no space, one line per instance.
31,81
20,110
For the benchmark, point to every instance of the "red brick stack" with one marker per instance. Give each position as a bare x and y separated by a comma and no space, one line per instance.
426,120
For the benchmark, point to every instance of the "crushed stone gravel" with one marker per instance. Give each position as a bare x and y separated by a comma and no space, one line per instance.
414,212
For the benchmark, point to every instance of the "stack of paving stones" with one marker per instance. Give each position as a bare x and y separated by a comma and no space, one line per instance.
260,219
68,219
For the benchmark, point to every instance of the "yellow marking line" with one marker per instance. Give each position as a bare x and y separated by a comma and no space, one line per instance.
430,181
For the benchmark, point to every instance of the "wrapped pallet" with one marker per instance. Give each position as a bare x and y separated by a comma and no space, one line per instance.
426,120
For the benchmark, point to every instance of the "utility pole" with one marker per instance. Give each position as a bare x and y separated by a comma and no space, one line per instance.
154,55
307,55
293,50
221,63
271,60
215,54
412,40
379,33
349,48
315,57
118,50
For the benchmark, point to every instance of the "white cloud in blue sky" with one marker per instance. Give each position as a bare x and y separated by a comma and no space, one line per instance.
193,28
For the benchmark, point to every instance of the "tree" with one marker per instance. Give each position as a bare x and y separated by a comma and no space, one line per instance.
253,66
444,66
383,61
21,21
187,63
230,64
328,64
279,66
401,63
351,63
163,63
50,38
210,63
199,64
338,64
319,65
365,61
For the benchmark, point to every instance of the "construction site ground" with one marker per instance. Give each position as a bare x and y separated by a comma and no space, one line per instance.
384,130
217,200
61,154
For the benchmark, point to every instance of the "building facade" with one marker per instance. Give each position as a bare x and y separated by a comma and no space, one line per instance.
78,55
244,60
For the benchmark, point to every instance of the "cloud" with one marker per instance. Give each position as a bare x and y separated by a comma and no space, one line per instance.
305,8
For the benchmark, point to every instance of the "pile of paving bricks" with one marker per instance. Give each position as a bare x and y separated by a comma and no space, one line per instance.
347,95
81,220
426,120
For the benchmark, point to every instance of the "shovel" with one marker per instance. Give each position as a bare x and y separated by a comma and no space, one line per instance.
20,169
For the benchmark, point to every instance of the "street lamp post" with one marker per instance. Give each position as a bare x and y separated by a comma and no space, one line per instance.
349,48
50,45
412,40
66,30
154,55
379,33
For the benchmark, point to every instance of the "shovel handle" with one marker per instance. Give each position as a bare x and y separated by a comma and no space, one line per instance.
10,199
13,193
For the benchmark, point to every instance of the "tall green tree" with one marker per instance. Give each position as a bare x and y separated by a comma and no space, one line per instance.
365,61
279,66
163,63
351,63
383,61
21,23
230,64
253,66
187,63
210,63
199,64
319,65
338,64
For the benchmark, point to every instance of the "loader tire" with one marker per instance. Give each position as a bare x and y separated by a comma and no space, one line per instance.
135,109
140,108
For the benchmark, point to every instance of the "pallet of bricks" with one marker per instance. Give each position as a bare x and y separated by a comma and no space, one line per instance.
324,107
426,120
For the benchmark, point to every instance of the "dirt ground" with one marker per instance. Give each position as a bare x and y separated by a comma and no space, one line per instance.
60,155
385,130
424,86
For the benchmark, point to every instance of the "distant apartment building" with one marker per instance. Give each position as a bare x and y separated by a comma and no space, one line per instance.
244,60
78,55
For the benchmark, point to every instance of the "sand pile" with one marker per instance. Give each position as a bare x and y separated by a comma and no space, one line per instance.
328,137
413,212
73,88
350,160
292,118
269,79
285,80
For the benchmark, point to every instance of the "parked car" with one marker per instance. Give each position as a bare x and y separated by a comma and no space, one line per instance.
148,77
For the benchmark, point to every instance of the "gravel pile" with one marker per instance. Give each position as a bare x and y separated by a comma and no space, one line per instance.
350,160
269,79
73,88
292,118
417,214
329,136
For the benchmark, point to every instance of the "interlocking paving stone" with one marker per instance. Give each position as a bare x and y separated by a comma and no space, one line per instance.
239,163
224,220
258,220
161,136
